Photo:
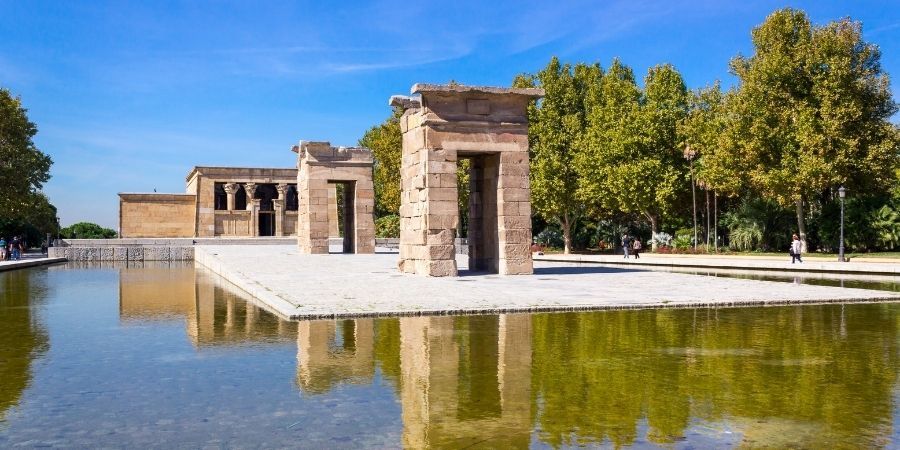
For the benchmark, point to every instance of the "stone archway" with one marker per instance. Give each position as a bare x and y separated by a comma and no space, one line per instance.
490,126
321,165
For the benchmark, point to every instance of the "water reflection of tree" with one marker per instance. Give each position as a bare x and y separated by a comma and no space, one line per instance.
595,376
22,338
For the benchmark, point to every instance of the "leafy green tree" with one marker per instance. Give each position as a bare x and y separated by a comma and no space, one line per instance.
87,230
385,141
555,125
811,111
632,153
33,218
703,129
23,167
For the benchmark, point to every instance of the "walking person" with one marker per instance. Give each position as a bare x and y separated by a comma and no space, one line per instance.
636,248
14,248
796,248
626,242
2,248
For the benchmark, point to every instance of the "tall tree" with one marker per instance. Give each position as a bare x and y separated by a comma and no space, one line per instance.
704,131
632,150
555,125
23,167
811,111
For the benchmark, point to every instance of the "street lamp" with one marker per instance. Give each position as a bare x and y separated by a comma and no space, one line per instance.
842,193
689,155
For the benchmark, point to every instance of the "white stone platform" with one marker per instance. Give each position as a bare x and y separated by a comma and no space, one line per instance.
330,286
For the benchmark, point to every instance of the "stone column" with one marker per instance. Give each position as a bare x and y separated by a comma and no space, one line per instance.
253,207
230,190
278,204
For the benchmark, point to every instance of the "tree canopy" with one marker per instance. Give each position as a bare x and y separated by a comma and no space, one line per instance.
87,230
23,167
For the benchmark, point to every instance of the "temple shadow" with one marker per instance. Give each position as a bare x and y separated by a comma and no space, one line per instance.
581,270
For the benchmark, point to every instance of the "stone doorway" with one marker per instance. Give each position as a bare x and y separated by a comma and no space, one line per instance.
346,213
481,230
319,166
489,125
267,223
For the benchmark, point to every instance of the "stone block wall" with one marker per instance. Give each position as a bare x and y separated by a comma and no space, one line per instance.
490,126
123,254
320,165
156,215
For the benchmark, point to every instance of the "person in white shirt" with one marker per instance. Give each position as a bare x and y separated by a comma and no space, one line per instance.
796,248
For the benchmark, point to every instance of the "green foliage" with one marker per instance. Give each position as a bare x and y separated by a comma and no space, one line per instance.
811,111
33,219
631,154
758,224
387,226
555,125
385,141
886,224
87,230
23,167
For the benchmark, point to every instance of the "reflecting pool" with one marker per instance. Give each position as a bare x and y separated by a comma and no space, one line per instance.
171,356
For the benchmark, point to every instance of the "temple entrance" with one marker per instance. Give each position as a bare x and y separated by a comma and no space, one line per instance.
267,223
348,170
481,225
488,126
346,214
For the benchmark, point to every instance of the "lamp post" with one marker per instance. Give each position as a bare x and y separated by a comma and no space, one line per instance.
842,193
689,155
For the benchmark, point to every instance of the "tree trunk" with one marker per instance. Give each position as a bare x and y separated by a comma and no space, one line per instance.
567,233
654,222
801,225
706,191
716,219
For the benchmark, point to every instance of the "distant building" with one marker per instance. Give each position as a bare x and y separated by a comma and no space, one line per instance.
220,201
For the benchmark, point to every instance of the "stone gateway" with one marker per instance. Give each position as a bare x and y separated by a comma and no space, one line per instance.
321,165
489,126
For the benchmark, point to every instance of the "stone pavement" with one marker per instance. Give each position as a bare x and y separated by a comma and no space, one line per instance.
888,267
330,286
29,260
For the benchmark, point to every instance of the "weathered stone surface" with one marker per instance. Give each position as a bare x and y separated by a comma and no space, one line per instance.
320,165
489,126
135,253
120,254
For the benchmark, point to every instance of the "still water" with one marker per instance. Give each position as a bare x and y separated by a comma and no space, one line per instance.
171,357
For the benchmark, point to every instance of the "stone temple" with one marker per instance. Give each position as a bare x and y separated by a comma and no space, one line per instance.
489,126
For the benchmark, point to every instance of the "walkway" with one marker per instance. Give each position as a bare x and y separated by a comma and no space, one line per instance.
810,264
331,286
29,260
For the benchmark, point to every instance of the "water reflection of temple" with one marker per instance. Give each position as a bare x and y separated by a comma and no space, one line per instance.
214,313
772,377
461,380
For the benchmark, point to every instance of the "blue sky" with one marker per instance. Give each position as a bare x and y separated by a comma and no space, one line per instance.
128,96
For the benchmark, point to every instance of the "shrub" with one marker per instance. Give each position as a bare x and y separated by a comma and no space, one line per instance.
387,227
550,238
661,240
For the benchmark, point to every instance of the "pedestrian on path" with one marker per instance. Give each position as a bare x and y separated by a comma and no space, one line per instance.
636,248
795,250
15,248
2,248
626,242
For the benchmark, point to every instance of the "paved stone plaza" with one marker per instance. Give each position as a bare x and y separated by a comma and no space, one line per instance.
342,285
